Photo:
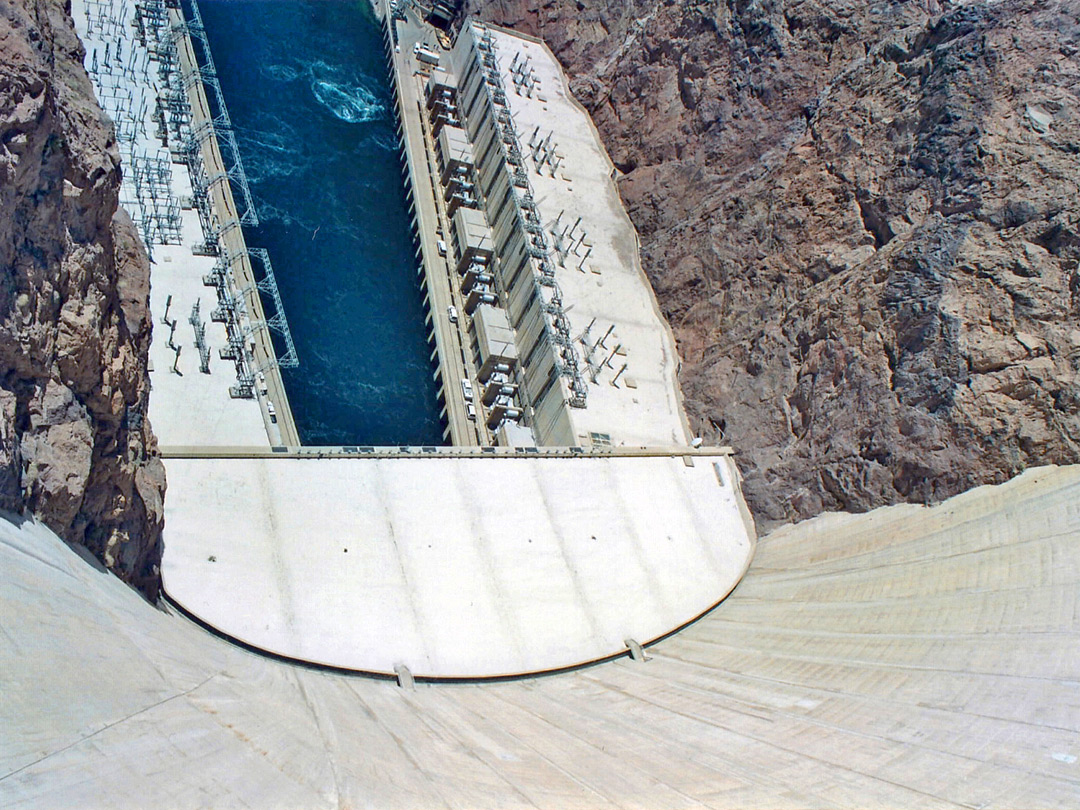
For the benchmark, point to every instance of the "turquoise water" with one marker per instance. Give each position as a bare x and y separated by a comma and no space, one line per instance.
308,93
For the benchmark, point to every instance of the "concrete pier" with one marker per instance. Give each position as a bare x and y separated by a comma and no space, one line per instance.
449,338
233,238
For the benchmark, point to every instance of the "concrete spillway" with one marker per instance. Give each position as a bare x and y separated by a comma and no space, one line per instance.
908,657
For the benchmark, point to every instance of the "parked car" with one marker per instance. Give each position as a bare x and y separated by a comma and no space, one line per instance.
451,313
466,389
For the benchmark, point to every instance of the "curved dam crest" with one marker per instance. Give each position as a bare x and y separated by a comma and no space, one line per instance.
457,585
909,657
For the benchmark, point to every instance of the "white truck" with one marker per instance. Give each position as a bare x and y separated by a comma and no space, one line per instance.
425,54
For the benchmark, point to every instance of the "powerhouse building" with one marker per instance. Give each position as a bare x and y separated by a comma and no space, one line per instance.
542,245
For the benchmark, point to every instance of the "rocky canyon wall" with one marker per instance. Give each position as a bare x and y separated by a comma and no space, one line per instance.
76,449
862,221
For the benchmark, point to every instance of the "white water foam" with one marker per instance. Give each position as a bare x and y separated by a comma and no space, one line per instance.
282,73
348,100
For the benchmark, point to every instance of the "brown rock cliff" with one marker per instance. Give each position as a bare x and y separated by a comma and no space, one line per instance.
76,449
862,221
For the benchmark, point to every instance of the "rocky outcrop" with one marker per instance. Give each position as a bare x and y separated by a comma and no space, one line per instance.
862,221
76,449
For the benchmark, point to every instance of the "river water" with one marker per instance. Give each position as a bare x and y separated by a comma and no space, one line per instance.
308,93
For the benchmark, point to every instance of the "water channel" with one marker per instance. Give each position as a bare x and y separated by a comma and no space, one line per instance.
309,96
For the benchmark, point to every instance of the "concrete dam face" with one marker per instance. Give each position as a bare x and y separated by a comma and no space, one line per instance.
909,657
551,594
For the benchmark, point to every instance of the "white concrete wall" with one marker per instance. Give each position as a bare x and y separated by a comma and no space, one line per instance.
454,567
905,658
